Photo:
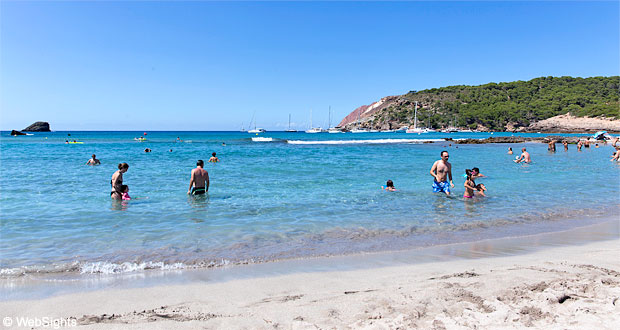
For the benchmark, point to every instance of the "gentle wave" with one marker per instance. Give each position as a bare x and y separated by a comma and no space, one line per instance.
262,139
374,141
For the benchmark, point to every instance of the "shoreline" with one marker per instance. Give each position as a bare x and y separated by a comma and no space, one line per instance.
315,247
509,282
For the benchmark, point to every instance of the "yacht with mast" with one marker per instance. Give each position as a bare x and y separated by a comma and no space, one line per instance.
255,130
289,125
313,130
415,128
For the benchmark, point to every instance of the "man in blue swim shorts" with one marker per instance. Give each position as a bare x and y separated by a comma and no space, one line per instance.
442,171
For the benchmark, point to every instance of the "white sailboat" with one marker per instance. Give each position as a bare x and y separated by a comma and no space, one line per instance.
332,130
313,130
289,125
415,128
358,129
255,130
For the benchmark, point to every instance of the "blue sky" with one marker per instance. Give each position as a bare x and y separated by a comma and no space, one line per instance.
211,65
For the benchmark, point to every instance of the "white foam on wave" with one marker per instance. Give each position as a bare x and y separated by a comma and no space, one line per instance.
114,268
374,141
262,139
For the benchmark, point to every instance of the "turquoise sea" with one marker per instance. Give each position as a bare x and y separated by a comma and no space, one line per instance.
275,196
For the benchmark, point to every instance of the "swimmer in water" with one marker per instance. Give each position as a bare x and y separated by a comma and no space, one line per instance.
199,180
125,191
469,185
213,159
475,173
117,181
93,161
510,151
525,157
389,186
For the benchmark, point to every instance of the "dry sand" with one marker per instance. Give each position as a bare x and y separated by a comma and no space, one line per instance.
568,287
568,123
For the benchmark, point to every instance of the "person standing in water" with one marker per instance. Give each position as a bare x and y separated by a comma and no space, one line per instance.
117,182
213,158
93,161
442,171
525,157
510,150
565,144
199,180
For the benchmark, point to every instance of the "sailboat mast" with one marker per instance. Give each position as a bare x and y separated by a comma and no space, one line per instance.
415,120
330,117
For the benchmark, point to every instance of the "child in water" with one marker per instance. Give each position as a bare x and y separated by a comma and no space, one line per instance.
125,191
389,186
470,185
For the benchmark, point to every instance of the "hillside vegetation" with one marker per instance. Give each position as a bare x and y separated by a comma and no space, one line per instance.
499,106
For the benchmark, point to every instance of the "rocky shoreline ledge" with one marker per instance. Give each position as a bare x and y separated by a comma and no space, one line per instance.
520,139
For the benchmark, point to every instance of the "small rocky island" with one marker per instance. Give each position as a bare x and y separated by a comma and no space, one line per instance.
40,126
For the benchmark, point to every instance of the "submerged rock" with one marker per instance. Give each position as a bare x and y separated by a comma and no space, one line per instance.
15,133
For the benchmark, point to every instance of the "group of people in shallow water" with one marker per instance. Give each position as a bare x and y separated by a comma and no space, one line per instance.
198,183
441,172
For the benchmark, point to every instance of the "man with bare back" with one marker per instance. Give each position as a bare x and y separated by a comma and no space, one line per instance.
525,157
199,181
442,171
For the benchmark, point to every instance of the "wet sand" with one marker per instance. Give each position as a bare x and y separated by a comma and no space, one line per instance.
565,279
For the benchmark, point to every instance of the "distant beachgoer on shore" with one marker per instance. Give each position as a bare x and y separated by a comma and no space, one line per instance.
93,161
551,146
213,159
117,181
525,157
442,171
565,144
125,191
199,180
510,150
147,150
389,186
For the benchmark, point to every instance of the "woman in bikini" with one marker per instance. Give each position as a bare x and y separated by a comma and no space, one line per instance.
117,182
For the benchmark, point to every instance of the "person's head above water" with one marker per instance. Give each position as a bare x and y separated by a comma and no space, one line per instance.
213,154
475,170
444,155
468,172
124,188
200,163
523,149
94,156
389,183
123,166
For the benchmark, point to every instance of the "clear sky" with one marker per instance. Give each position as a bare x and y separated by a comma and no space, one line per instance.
211,65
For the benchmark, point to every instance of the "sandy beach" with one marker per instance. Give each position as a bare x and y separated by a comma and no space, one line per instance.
557,287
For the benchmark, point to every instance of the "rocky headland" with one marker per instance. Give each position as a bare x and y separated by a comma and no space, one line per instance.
546,104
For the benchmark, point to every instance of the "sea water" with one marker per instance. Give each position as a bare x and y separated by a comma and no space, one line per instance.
274,196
